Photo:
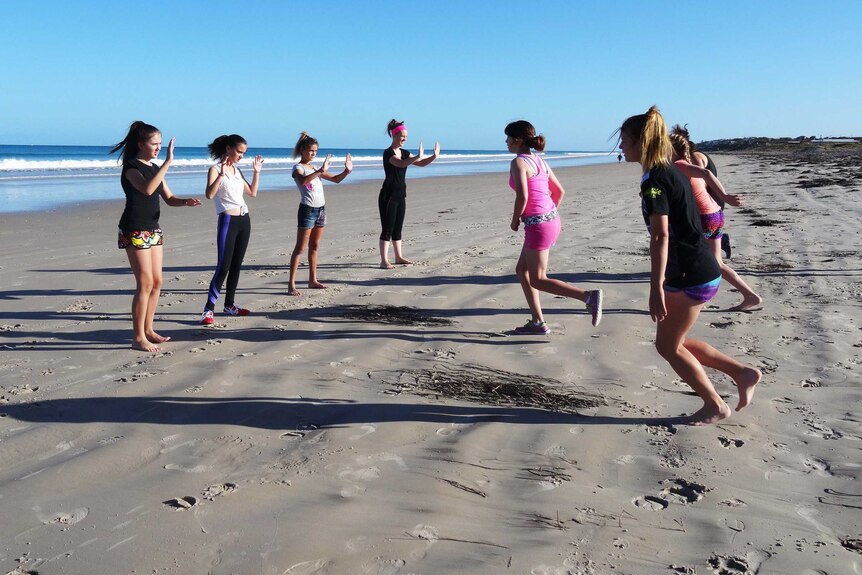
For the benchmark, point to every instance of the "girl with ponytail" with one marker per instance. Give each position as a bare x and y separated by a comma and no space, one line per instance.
392,201
139,232
683,273
226,185
538,194
311,217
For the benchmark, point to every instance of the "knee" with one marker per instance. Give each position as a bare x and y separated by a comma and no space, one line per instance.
157,284
666,349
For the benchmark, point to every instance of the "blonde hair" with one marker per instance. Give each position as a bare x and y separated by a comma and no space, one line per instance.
651,131
304,142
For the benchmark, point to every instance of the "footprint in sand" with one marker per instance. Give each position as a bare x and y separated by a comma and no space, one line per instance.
728,443
683,491
453,429
63,517
318,567
650,502
383,567
366,430
219,490
182,503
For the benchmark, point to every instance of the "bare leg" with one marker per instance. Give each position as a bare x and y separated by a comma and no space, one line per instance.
682,312
745,377
749,298
153,301
532,295
399,258
302,235
313,245
537,262
384,255
141,264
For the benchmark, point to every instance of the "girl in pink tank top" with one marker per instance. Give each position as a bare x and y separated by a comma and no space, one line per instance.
538,193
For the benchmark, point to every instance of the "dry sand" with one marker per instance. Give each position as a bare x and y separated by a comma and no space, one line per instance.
307,440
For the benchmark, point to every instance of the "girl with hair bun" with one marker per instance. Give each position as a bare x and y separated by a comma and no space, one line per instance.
683,273
538,194
140,235
711,198
392,201
226,185
311,217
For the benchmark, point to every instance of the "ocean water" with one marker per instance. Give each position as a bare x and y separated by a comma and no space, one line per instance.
36,178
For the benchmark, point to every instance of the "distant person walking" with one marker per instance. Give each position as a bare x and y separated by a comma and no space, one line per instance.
311,217
392,201
684,275
139,231
227,186
538,194
619,158
711,197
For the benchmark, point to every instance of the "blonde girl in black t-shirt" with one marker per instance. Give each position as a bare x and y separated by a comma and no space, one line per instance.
684,275
140,235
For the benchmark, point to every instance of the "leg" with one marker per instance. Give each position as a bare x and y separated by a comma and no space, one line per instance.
313,246
749,298
241,236
682,312
302,235
400,211
537,262
225,240
141,264
155,292
530,293
745,377
387,222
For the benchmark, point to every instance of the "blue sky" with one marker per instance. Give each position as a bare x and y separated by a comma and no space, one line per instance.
457,71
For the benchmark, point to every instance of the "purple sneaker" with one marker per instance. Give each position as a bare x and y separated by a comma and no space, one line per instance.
594,306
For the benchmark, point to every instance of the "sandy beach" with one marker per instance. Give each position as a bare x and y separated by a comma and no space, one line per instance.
359,430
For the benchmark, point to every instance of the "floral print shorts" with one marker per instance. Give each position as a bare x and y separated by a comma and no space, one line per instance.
140,239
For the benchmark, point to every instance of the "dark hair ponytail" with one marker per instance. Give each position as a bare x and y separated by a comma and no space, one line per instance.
392,125
524,131
303,143
218,147
138,132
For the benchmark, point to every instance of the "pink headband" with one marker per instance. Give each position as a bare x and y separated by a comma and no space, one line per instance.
399,128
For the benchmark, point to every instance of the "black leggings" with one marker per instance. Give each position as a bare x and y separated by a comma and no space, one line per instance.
391,216
232,235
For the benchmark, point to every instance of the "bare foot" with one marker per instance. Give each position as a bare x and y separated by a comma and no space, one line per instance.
293,291
156,338
146,346
316,285
745,385
403,262
748,303
386,266
708,415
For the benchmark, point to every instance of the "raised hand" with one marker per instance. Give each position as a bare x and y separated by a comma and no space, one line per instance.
327,161
421,150
169,156
348,162
257,164
436,148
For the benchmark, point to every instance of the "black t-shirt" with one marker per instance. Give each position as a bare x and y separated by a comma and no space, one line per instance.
710,165
142,211
394,185
665,191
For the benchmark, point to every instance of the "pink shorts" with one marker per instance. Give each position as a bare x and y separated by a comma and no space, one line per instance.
542,236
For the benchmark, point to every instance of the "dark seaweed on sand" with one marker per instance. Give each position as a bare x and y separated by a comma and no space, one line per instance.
489,386
389,314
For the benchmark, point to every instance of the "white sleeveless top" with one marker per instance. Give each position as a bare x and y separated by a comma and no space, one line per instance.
311,194
230,193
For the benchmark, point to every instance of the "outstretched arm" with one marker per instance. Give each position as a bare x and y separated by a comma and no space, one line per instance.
425,161
693,171
348,167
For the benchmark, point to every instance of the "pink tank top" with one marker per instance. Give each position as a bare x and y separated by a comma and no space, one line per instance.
705,203
539,199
